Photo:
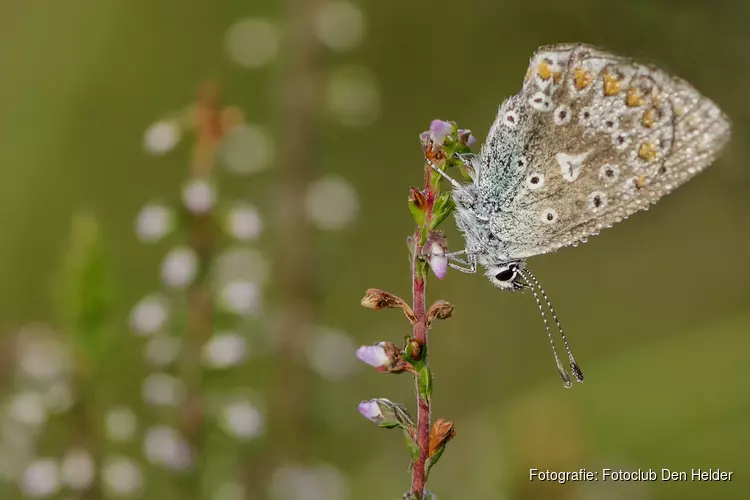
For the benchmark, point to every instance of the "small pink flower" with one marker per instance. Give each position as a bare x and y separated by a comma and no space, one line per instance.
374,355
371,410
466,137
439,130
438,260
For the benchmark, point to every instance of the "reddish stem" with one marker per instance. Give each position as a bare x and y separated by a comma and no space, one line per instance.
419,473
419,476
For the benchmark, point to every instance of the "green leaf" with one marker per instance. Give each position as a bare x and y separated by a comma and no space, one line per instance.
411,445
444,206
433,459
421,268
425,383
417,212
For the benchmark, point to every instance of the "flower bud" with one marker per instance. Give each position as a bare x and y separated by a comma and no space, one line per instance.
417,205
376,300
374,355
439,310
385,357
465,137
435,250
370,410
442,431
385,413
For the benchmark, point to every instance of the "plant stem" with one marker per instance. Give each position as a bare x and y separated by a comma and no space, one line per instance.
419,476
200,318
419,472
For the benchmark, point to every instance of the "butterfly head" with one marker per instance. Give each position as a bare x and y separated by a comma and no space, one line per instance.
504,275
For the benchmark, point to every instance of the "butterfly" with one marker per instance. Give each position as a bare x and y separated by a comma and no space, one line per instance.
590,139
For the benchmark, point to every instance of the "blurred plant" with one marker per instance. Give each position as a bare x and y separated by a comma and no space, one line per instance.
442,144
50,440
211,300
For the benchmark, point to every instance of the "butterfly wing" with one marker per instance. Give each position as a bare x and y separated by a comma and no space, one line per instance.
590,139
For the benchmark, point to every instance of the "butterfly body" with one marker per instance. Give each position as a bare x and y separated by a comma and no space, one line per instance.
590,139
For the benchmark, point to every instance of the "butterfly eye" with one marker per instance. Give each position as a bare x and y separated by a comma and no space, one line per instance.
506,274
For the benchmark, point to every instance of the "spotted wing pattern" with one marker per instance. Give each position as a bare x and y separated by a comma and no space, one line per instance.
590,139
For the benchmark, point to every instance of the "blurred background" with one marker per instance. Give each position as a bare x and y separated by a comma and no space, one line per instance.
196,195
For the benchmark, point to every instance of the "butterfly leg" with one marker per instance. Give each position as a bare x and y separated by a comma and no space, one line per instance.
468,266
450,179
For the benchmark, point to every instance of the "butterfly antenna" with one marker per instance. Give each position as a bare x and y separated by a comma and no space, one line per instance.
560,369
577,373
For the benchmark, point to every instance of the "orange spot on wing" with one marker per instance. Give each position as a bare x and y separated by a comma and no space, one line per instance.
634,98
647,152
611,85
581,78
544,71
649,118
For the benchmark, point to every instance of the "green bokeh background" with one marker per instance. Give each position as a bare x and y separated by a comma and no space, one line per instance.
656,309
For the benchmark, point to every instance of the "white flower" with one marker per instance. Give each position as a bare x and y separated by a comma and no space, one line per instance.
330,354
247,149
179,267
224,350
149,315
42,354
243,222
241,297
332,203
154,222
160,389
198,196
162,350
120,424
122,476
58,398
322,482
242,420
229,491
240,264
41,478
77,469
165,446
252,43
353,96
161,137
340,25
28,408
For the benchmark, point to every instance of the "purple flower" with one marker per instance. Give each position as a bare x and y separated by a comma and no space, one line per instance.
466,137
425,137
438,260
439,130
371,410
374,355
